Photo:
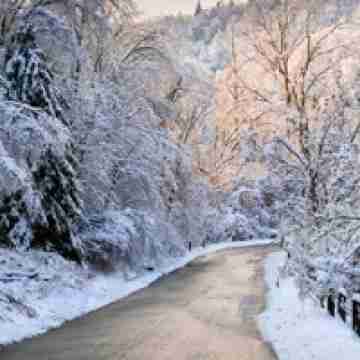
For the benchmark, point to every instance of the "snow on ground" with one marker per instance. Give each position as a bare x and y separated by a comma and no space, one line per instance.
40,291
302,330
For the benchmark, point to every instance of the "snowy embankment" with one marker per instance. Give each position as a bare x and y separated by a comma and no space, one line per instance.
302,330
40,291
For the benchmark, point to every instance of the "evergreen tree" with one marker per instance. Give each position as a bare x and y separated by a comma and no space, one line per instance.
54,173
199,8
44,204
55,178
30,78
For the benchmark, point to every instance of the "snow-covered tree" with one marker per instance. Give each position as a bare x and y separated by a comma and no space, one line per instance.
30,78
198,9
42,206
56,180
319,201
48,205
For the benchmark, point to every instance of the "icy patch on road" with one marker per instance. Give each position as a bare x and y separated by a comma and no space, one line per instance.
302,330
40,291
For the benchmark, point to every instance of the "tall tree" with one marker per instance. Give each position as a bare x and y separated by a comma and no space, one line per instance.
27,71
283,41
198,9
54,170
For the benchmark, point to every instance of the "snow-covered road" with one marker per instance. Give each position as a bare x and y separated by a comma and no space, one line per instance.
207,310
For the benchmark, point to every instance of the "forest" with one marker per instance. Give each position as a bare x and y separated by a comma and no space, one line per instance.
125,142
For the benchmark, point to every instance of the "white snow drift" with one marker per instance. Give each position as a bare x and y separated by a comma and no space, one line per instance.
302,330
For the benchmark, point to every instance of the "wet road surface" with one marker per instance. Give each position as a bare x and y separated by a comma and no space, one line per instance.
206,311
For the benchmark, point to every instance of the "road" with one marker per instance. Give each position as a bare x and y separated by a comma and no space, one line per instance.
206,311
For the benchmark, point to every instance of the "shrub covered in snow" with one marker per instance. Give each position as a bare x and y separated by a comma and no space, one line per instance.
128,240
244,215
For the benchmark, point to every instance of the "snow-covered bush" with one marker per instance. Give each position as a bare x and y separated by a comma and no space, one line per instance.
244,215
130,240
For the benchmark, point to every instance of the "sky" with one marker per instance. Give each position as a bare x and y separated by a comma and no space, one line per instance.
162,7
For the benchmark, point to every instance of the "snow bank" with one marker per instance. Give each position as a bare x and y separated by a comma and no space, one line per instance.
40,291
302,330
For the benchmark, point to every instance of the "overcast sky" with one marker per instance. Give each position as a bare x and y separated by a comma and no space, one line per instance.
162,7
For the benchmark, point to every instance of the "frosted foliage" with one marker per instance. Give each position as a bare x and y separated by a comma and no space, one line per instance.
27,137
122,152
131,239
128,162
319,207
30,79
55,38
27,132
12,178
200,41
244,215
